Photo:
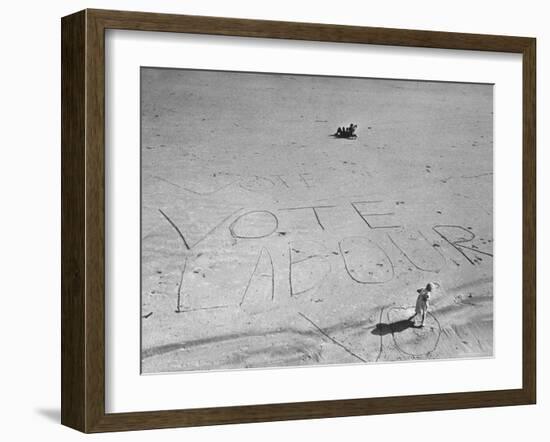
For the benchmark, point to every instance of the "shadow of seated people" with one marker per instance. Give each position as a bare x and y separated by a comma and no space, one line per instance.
383,329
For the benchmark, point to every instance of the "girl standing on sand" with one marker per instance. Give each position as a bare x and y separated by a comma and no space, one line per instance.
422,303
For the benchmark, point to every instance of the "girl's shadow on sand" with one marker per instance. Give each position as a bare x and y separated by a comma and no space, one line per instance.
382,329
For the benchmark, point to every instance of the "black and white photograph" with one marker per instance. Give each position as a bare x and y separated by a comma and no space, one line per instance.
249,221
299,220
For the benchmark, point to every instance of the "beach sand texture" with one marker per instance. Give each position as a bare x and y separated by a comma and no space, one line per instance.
268,243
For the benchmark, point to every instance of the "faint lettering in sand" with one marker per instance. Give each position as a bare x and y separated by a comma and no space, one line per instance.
370,216
259,272
315,212
445,231
202,238
365,261
416,248
308,266
255,224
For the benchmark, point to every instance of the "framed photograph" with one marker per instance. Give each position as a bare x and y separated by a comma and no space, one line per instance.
270,220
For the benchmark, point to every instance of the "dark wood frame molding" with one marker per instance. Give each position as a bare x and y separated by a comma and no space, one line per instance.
83,217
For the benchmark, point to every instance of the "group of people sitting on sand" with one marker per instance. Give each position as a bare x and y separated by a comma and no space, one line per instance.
346,132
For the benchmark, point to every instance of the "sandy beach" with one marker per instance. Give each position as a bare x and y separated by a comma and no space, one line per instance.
266,242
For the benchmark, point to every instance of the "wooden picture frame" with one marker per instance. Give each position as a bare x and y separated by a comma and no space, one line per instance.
83,220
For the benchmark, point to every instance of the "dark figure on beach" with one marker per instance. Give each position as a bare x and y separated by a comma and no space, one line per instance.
346,132
422,304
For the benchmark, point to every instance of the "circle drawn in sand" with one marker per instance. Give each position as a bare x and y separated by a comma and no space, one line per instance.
254,225
411,340
257,184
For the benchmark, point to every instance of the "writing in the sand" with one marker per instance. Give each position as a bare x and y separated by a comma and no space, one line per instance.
365,259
